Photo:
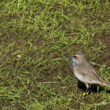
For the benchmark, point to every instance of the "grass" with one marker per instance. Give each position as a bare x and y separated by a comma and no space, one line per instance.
35,38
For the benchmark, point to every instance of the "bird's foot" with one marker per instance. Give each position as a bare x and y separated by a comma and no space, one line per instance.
86,93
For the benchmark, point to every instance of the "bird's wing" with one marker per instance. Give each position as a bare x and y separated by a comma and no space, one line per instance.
89,72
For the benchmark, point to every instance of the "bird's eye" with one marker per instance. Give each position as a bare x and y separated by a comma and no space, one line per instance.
75,56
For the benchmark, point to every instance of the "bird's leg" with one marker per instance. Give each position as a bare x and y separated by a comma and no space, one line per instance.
87,87
87,91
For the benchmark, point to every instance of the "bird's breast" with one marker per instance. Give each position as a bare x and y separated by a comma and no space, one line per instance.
78,75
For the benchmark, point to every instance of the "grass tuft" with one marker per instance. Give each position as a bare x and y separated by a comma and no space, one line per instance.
35,38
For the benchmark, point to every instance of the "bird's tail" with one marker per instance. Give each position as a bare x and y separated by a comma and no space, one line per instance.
106,84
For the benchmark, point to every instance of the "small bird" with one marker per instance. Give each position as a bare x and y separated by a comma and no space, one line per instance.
85,72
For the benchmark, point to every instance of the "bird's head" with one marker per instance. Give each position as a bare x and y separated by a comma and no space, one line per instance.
78,58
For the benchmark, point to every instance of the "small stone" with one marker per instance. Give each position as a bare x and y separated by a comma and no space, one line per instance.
18,56
84,93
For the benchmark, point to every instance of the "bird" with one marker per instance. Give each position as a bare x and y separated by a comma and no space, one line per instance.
85,72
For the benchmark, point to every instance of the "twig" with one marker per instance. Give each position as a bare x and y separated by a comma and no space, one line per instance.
49,82
97,104
93,63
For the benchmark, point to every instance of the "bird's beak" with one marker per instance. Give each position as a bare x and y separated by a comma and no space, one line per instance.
69,56
73,55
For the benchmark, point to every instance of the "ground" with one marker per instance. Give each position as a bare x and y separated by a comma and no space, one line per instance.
36,36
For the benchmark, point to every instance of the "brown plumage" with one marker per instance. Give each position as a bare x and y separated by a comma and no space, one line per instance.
86,73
